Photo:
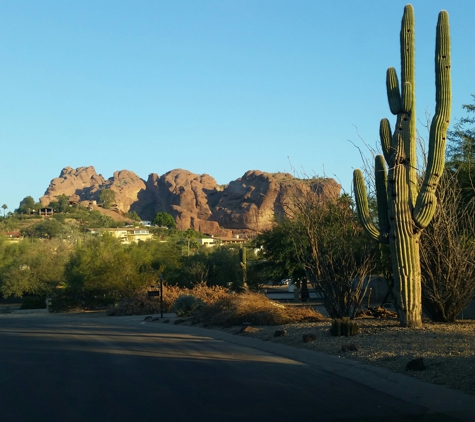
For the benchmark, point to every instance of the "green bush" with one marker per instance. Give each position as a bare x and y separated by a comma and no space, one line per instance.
33,302
64,301
186,305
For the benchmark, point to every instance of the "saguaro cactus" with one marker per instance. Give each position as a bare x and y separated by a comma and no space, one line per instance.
243,256
405,205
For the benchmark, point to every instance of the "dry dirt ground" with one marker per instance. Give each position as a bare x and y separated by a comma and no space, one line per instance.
448,350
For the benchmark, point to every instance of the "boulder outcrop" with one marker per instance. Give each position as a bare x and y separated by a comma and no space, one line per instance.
257,198
83,182
248,204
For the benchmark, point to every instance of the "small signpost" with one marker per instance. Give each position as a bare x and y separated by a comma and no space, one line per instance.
153,293
157,291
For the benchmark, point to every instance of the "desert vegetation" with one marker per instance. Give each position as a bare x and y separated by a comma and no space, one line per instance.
416,229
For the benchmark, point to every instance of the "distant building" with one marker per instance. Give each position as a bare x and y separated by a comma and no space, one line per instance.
207,241
126,235
13,236
46,211
230,240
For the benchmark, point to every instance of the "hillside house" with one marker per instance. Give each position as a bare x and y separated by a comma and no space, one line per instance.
126,235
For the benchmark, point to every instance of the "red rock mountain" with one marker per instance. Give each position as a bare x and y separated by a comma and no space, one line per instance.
249,203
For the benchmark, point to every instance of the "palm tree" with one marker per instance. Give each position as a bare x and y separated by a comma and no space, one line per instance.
4,206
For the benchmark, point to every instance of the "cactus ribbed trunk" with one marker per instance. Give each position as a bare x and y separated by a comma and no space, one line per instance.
404,210
404,246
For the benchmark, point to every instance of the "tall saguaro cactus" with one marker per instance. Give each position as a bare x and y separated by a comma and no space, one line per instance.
405,205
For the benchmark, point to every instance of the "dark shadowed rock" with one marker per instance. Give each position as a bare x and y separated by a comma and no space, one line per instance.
280,333
415,365
307,338
350,347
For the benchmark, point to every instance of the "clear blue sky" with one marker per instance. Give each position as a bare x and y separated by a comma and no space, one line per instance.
217,87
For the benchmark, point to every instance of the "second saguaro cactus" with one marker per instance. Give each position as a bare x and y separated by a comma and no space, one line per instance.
405,204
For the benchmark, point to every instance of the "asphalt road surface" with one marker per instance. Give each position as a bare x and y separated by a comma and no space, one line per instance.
73,368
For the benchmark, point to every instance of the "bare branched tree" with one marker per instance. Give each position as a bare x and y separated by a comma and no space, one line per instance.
448,254
333,248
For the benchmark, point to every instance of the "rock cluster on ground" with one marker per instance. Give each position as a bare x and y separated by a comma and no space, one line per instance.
249,203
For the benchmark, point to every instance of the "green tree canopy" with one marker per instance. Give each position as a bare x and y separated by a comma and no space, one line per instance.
46,229
61,204
163,219
32,267
27,205
133,215
102,266
107,197
277,251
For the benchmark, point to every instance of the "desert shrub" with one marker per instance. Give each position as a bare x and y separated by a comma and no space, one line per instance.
139,304
33,302
65,301
208,294
255,309
186,305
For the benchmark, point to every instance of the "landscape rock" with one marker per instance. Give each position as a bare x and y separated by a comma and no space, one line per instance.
350,347
415,365
280,333
247,329
307,338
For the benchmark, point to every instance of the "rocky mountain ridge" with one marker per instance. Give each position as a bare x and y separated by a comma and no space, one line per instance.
249,203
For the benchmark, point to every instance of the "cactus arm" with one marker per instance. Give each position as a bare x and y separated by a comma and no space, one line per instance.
381,179
408,46
392,88
407,39
385,136
362,205
407,98
427,201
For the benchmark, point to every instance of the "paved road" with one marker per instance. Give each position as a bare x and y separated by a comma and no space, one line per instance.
63,368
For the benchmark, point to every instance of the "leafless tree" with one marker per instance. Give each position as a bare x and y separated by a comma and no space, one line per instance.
331,244
448,254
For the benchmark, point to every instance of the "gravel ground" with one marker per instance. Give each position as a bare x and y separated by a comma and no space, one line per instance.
448,350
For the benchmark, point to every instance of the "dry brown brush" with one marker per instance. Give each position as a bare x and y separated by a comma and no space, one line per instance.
141,304
254,309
